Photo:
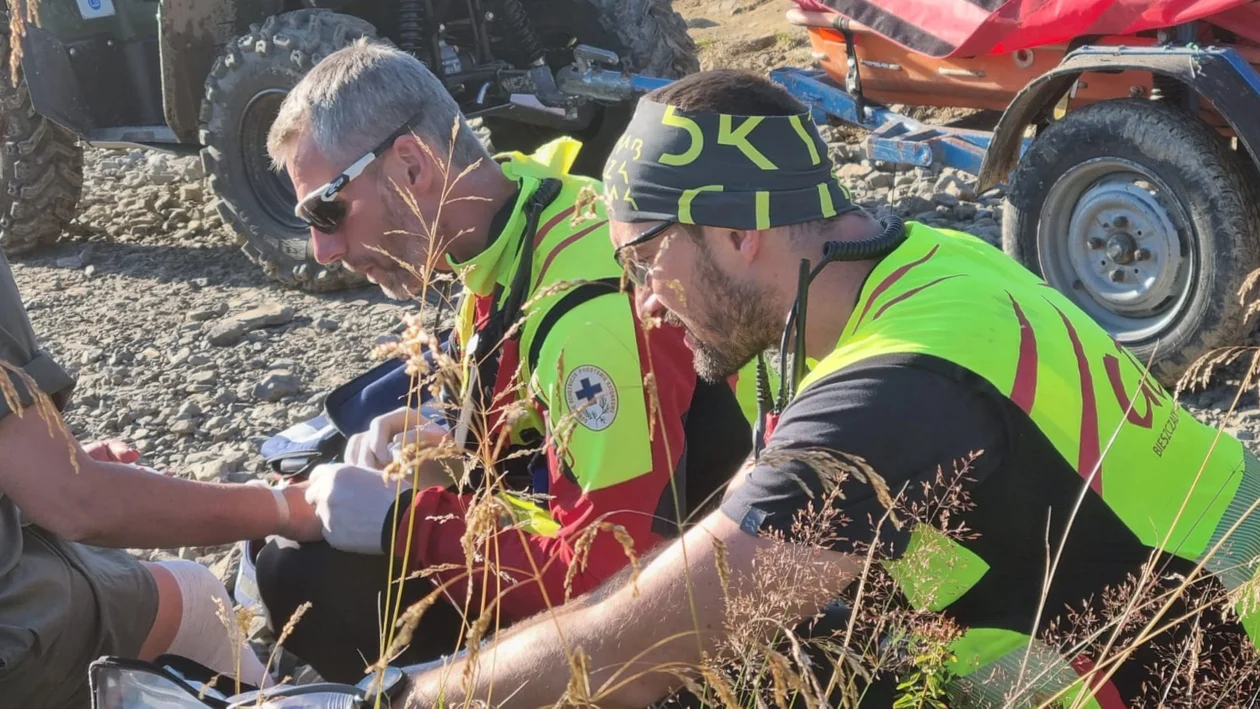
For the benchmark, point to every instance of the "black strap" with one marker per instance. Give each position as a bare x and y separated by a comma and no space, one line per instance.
502,320
571,300
522,279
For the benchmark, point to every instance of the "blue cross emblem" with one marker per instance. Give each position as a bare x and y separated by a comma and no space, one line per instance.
589,391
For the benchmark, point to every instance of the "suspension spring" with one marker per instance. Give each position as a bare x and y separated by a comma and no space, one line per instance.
411,26
518,33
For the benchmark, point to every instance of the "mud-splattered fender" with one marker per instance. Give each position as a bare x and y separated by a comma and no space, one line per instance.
1219,75
192,33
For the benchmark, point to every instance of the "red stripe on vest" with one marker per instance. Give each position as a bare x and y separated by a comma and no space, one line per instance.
910,293
772,422
1107,696
893,278
1024,391
564,244
1090,454
551,224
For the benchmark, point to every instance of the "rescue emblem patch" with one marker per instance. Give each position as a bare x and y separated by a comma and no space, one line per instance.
591,396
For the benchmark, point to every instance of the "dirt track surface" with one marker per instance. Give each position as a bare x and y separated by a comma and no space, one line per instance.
744,34
134,299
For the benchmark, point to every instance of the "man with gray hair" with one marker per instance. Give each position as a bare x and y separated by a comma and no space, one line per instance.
394,184
348,111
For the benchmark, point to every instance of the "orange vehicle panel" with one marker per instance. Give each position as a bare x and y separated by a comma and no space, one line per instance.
892,74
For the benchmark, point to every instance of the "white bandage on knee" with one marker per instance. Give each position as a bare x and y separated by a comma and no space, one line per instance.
203,636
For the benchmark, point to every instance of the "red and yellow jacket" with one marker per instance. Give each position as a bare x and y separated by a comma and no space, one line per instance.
580,362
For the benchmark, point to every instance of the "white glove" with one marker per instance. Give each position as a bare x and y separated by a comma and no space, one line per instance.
372,448
351,504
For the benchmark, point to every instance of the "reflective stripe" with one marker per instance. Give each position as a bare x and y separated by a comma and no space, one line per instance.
824,198
531,518
762,200
686,198
1235,562
1019,664
809,142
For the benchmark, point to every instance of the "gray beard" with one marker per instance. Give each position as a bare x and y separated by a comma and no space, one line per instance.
404,227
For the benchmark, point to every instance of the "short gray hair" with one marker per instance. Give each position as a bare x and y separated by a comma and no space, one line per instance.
355,97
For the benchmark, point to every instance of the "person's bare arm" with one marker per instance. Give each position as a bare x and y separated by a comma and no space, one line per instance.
117,505
625,635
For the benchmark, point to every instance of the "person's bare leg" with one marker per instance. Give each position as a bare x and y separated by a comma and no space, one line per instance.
166,622
188,623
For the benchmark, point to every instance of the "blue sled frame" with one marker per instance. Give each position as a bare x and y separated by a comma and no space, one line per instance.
894,138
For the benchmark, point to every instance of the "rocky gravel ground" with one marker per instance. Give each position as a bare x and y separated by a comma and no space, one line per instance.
183,347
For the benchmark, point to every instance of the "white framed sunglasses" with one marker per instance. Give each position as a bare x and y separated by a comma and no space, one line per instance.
322,209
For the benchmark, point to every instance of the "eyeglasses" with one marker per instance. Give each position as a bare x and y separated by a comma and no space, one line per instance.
637,271
322,209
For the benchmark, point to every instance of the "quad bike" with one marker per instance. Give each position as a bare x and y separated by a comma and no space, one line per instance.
208,76
1122,135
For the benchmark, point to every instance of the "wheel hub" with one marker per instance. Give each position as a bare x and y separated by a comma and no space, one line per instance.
274,190
1127,220
1114,239
1121,248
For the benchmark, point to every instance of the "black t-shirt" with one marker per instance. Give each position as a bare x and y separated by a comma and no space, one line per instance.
905,422
916,420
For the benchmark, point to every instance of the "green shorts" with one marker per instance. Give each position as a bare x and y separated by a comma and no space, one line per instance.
71,604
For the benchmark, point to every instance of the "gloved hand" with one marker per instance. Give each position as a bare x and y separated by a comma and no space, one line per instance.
351,504
403,426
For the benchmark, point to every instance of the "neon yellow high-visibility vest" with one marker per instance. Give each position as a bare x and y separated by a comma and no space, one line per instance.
950,295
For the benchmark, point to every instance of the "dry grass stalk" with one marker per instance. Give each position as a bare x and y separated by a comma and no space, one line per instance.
21,13
578,693
212,683
722,560
720,687
406,627
582,549
285,632
42,403
236,621
833,468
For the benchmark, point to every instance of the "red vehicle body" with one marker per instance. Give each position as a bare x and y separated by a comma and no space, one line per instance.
954,53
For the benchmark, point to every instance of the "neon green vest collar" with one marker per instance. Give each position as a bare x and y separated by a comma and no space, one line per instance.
492,266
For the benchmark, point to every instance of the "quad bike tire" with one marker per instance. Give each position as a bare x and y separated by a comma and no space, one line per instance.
243,94
649,36
1192,209
41,168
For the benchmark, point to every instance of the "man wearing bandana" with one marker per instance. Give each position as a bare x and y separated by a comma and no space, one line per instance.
947,414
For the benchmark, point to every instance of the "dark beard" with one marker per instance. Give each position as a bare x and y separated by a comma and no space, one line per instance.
743,315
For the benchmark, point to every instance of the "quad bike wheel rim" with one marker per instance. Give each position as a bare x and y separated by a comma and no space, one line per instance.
274,189
1115,239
